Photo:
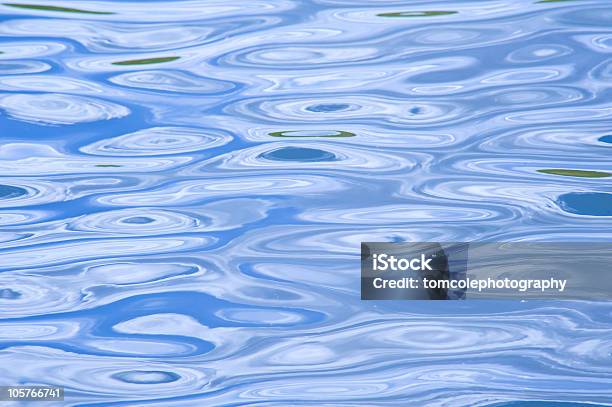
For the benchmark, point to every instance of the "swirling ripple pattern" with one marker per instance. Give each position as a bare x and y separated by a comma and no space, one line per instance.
184,186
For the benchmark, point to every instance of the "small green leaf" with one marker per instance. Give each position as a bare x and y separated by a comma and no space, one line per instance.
54,8
417,14
576,173
291,133
146,61
552,1
107,165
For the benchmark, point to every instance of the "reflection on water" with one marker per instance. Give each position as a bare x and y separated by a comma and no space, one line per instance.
576,173
53,8
298,154
186,185
312,133
146,61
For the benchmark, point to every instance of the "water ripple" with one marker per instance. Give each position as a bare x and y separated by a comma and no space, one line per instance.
345,109
19,193
159,141
22,67
57,109
171,82
314,155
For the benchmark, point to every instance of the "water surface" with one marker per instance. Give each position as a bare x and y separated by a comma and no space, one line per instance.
185,186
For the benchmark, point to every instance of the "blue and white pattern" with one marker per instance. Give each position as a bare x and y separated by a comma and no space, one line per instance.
185,186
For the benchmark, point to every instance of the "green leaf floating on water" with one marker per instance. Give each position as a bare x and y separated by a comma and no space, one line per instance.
552,1
417,14
576,173
146,61
311,134
54,8
107,165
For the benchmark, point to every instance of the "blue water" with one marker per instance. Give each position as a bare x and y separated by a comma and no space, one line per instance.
587,203
185,186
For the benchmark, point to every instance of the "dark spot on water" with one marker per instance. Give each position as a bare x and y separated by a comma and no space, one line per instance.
55,8
146,61
587,203
146,377
299,154
327,108
9,191
166,141
606,139
416,110
8,294
107,165
576,173
138,220
417,14
11,65
312,133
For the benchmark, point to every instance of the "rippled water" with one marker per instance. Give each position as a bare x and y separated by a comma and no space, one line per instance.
185,185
